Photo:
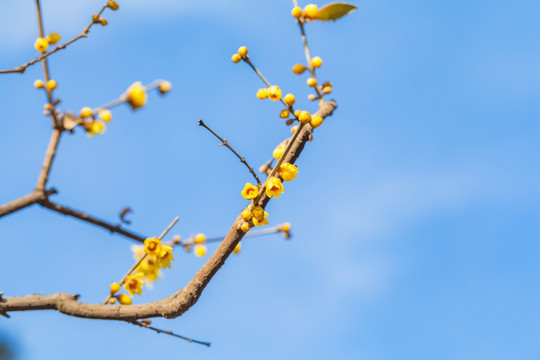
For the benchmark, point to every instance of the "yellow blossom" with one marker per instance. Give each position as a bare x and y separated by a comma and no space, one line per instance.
95,127
199,238
296,12
200,250
316,121
134,284
236,58
287,171
258,213
274,93
274,187
304,117
115,287
246,215
152,246
124,299
259,218
86,112
105,115
41,45
262,94
250,191
149,267
279,150
237,248
242,51
311,81
166,256
53,38
38,84
310,11
51,84
244,227
316,62
136,95
289,99
138,251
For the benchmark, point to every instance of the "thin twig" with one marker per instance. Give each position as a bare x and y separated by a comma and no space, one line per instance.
169,332
22,68
121,282
24,201
90,219
267,231
308,57
224,142
48,160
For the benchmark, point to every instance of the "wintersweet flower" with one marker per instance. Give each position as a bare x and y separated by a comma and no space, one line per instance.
279,150
166,256
250,191
149,267
288,171
274,187
136,95
95,127
124,299
134,284
274,93
152,246
260,221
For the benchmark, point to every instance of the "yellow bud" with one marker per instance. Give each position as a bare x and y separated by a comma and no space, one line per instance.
113,5
289,99
47,107
316,121
304,117
95,18
274,93
164,87
199,238
200,250
38,84
86,112
297,113
115,287
311,81
310,11
112,301
284,114
103,22
105,115
286,227
316,62
136,95
242,51
327,90
262,94
311,97
41,45
244,227
124,299
298,69
296,12
246,215
237,248
51,84
53,38
236,58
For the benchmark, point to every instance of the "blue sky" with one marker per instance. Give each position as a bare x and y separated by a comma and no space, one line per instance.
415,211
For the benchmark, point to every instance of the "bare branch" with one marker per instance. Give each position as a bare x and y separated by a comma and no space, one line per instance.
90,219
224,142
48,160
169,332
25,201
178,303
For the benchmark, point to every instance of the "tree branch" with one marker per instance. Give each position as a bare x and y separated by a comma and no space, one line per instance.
178,303
25,201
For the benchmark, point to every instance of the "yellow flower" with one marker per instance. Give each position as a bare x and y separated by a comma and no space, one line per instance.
236,58
105,115
316,121
262,94
152,246
115,287
296,12
244,227
289,99
199,238
124,299
274,187
250,191
38,84
86,112
149,267
134,284
164,86
260,220
237,248
304,117
41,45
284,114
136,95
166,256
200,250
278,151
288,171
246,215
298,69
316,62
310,11
311,81
242,51
274,93
258,213
95,127
327,90
53,38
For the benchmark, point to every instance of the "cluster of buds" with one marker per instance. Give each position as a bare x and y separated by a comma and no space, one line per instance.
309,12
93,121
197,244
152,257
41,44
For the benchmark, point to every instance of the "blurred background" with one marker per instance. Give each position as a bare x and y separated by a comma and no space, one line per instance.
414,214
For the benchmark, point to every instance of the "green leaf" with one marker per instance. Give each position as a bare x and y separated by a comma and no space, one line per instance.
334,11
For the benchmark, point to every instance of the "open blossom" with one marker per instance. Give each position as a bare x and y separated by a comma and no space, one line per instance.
288,171
152,246
260,221
150,269
134,284
166,256
274,187
250,191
